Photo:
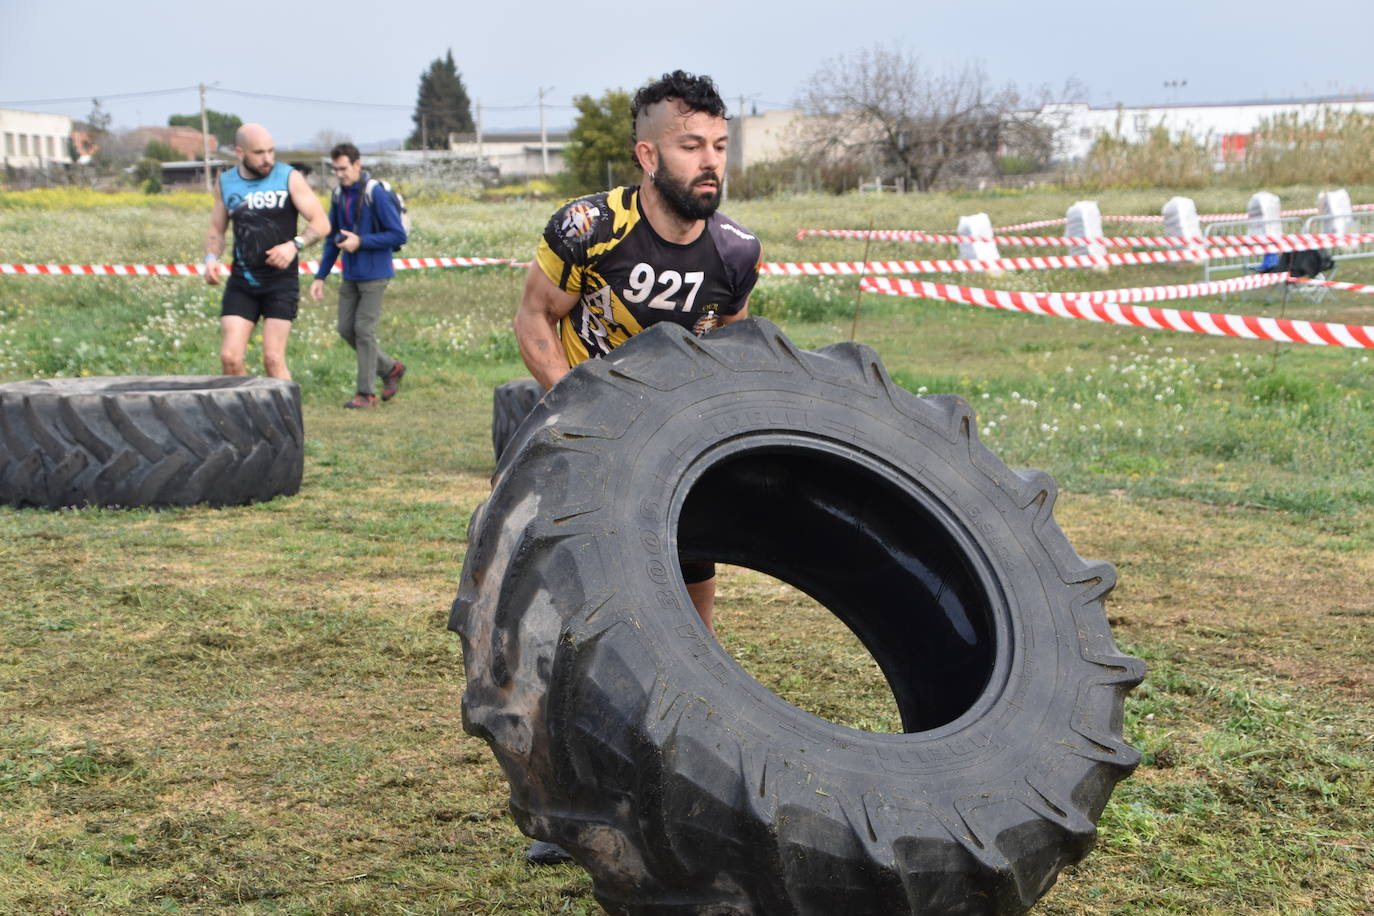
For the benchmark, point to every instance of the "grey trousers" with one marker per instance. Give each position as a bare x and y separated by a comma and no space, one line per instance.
360,308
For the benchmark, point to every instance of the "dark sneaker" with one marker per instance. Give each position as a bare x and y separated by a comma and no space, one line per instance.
392,380
541,853
362,400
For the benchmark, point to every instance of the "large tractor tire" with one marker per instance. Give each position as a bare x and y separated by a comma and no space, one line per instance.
155,441
683,786
510,404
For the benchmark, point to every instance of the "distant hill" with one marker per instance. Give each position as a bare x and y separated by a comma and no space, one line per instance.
377,146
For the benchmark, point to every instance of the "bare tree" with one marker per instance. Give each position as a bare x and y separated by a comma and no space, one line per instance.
883,106
328,138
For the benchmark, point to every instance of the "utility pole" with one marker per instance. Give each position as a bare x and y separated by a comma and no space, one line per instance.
543,133
205,136
424,141
479,136
734,148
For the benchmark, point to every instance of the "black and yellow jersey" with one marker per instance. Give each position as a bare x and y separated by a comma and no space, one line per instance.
626,276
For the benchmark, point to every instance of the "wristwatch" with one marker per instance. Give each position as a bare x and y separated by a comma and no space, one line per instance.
300,242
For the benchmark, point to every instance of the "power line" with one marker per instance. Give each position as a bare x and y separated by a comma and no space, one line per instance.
101,96
292,98
387,105
347,103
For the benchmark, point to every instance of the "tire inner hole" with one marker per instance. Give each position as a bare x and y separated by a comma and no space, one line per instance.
869,554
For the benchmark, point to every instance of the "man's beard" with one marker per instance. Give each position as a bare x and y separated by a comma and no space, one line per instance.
681,199
262,172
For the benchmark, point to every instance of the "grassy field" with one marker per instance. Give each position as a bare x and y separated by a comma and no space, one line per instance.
255,710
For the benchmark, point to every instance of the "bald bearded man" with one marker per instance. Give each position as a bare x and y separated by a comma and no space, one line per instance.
264,198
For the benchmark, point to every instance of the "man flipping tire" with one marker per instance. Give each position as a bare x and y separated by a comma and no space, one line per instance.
612,264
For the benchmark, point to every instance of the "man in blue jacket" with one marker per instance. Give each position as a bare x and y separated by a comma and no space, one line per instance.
365,224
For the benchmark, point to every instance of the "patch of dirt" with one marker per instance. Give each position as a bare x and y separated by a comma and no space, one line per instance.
1252,586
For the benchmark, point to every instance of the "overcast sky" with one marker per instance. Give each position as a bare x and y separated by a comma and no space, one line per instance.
371,55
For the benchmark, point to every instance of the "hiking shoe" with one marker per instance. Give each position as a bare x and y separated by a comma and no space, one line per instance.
392,380
362,400
541,853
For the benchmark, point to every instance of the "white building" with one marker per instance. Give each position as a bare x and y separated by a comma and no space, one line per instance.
29,140
514,154
763,137
1228,126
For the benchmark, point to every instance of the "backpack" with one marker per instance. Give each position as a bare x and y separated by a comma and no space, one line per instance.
372,184
1306,263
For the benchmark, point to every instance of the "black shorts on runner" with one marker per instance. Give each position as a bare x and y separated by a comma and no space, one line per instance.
694,572
278,299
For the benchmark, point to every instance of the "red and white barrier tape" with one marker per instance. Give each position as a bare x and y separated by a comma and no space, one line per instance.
1148,218
1108,218
1042,262
777,269
1034,224
415,263
105,270
1113,307
1365,288
197,270
1287,242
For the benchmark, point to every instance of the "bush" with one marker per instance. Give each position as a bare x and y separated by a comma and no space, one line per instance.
148,173
1018,165
1331,147
1159,161
808,299
160,151
794,176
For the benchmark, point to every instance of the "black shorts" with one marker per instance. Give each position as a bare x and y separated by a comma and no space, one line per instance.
694,572
277,298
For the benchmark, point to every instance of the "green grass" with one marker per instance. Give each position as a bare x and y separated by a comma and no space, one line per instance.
255,710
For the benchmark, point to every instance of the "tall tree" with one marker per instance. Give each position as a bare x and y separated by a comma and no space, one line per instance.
601,141
99,120
442,106
223,126
884,106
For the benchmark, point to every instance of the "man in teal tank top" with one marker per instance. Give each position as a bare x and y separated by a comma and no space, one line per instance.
264,198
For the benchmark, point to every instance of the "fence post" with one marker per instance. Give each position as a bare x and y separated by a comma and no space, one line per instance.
1336,211
979,226
1180,218
1263,214
1084,220
1181,221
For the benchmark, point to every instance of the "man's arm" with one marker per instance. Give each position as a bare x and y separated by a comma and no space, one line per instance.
214,239
308,205
542,306
742,313
327,258
393,233
752,253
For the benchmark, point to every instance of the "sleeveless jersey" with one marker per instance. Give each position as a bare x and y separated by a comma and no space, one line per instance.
264,215
602,248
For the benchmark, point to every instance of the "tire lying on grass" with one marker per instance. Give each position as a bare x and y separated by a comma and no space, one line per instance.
634,740
155,441
510,404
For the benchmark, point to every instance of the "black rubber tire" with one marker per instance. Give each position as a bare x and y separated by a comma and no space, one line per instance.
632,739
510,404
175,440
